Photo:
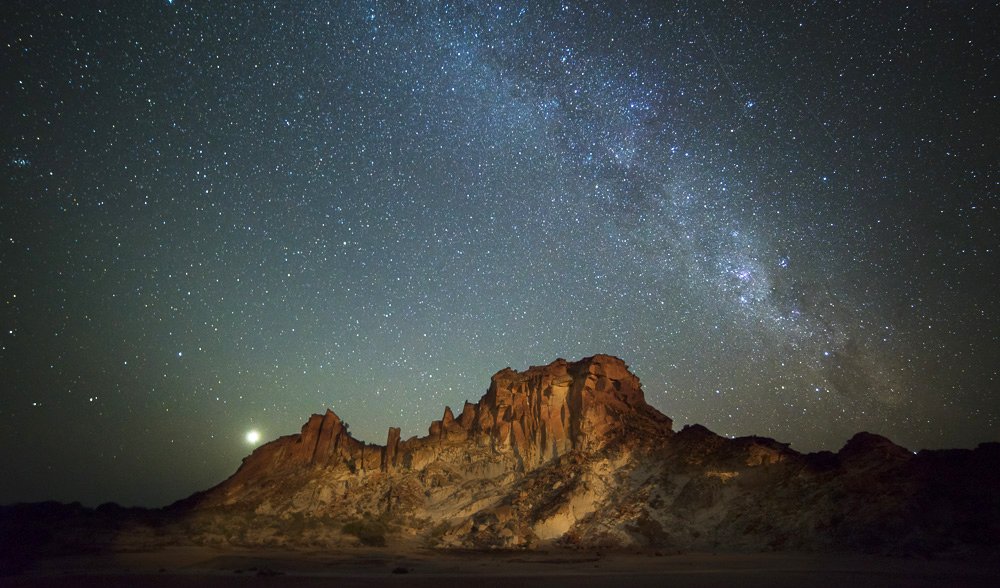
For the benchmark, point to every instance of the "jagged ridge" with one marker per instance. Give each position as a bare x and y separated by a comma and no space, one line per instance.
532,416
571,453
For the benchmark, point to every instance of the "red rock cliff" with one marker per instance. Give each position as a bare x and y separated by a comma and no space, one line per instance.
532,417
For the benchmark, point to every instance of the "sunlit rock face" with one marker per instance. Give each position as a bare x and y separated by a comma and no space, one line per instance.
571,454
524,420
548,411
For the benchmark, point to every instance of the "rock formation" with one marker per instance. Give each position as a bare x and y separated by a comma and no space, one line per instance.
526,419
571,454
568,454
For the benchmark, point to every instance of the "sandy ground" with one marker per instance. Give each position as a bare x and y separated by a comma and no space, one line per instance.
180,567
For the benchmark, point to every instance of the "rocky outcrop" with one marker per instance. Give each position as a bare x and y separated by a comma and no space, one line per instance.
869,449
548,411
570,453
528,417
391,450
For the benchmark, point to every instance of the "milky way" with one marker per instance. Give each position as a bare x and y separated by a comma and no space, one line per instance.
222,217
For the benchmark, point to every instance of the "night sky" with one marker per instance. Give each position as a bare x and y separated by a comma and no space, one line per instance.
222,217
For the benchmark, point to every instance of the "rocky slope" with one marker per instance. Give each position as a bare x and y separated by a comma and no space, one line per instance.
570,454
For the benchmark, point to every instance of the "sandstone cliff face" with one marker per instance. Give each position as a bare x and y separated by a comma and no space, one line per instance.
524,420
549,411
570,453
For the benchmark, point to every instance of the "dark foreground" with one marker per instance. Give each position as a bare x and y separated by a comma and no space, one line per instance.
180,567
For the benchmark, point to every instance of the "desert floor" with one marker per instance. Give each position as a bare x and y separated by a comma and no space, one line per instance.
181,567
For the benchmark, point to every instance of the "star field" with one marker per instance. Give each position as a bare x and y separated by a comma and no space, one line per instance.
219,218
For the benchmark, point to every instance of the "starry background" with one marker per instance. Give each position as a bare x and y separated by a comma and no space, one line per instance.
219,217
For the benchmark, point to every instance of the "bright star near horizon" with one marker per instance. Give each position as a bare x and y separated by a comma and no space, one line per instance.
253,437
